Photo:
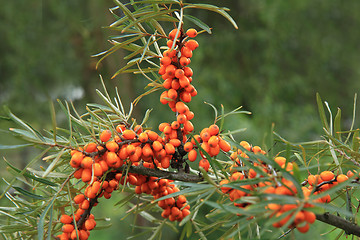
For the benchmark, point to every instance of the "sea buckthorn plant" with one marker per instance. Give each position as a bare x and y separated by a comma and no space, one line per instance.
171,173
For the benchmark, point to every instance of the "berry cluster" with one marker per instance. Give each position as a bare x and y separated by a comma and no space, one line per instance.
280,186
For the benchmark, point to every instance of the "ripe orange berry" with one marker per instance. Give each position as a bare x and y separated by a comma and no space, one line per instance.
66,219
173,33
128,134
213,130
97,170
188,126
213,141
341,178
189,115
181,118
105,135
179,73
204,163
184,61
86,162
192,155
152,135
157,146
310,217
112,146
143,137
169,148
67,228
191,33
79,198
76,159
188,146
304,228
91,147
165,61
181,107
172,94
224,145
327,175
192,44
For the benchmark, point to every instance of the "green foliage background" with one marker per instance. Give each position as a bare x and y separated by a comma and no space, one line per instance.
283,53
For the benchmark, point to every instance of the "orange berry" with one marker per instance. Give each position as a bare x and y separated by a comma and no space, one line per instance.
280,160
90,147
173,33
188,146
184,81
224,145
192,44
78,173
165,162
186,52
310,217
163,97
86,175
188,126
181,107
67,228
157,146
165,61
192,155
191,33
213,141
350,174
341,178
181,118
112,146
86,162
204,163
152,135
79,198
213,130
128,134
327,175
169,148
98,171
172,94
179,73
105,135
304,228
143,137
66,219
184,61
76,159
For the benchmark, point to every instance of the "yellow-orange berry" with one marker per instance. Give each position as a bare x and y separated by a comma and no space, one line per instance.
191,33
105,135
327,175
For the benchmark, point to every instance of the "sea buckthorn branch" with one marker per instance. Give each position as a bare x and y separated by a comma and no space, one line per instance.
176,176
336,221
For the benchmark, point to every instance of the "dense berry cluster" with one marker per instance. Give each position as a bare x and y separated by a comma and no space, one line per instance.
299,213
98,163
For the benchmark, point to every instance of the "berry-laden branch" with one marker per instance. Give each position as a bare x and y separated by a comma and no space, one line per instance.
176,176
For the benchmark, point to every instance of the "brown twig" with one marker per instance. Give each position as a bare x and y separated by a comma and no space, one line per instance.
178,176
347,226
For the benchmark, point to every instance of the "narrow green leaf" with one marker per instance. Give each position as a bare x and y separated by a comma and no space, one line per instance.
29,175
198,23
216,9
28,194
8,147
53,163
356,141
40,226
337,124
322,112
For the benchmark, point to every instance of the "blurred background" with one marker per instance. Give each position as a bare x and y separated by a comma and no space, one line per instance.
273,65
